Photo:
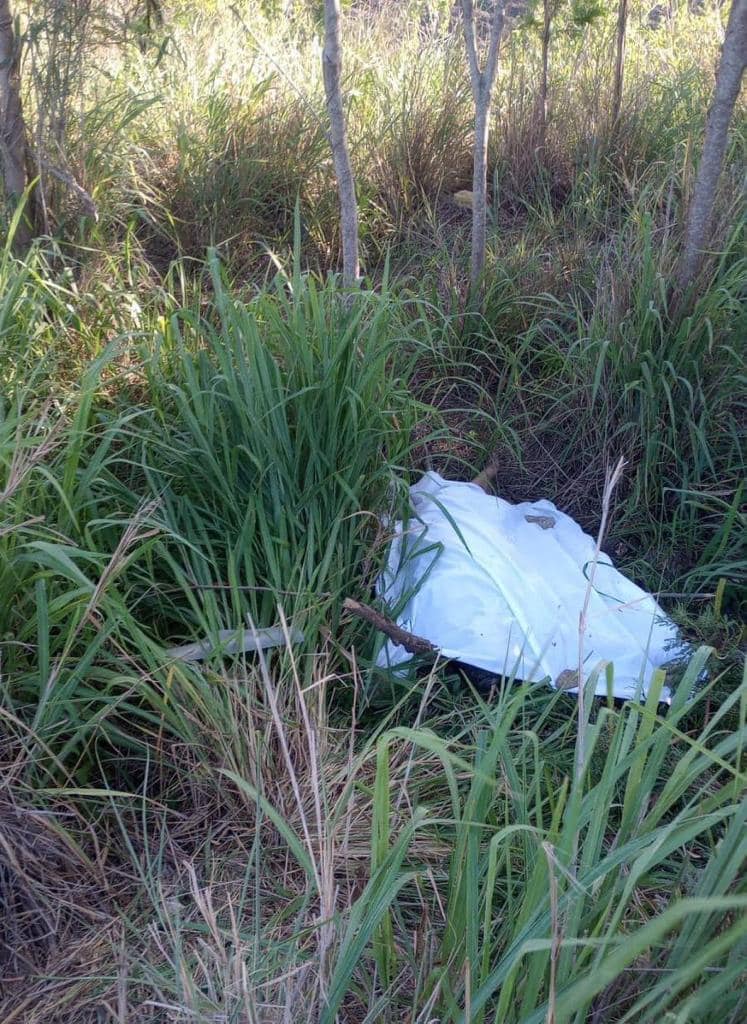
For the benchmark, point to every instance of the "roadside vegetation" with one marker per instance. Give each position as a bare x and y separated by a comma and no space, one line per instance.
199,431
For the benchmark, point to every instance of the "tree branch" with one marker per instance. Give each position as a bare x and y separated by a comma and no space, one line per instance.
75,187
471,44
411,643
496,32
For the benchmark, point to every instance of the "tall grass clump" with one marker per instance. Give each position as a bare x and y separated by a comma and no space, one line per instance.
81,678
587,355
277,430
232,459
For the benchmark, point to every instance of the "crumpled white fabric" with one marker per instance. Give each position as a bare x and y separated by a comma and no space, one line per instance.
503,592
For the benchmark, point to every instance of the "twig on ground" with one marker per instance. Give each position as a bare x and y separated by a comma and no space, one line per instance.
411,643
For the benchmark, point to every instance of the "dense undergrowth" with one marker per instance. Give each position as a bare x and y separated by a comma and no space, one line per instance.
198,434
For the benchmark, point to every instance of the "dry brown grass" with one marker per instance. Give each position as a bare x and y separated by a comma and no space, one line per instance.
176,903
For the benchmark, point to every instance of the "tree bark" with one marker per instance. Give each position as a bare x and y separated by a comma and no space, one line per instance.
482,81
332,69
12,127
622,22
479,193
728,82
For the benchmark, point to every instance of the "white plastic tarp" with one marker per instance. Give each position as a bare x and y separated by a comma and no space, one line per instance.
501,587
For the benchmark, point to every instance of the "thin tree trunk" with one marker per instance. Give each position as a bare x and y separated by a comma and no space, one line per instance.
622,22
12,127
728,82
546,28
479,192
482,88
332,68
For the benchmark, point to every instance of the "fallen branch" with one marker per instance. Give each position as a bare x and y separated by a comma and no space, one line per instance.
411,643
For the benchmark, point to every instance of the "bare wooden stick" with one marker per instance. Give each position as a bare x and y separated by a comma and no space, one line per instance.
67,179
411,643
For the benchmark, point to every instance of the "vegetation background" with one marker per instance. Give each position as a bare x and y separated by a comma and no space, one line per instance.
199,433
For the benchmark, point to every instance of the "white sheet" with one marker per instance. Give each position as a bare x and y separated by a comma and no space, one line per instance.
489,587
